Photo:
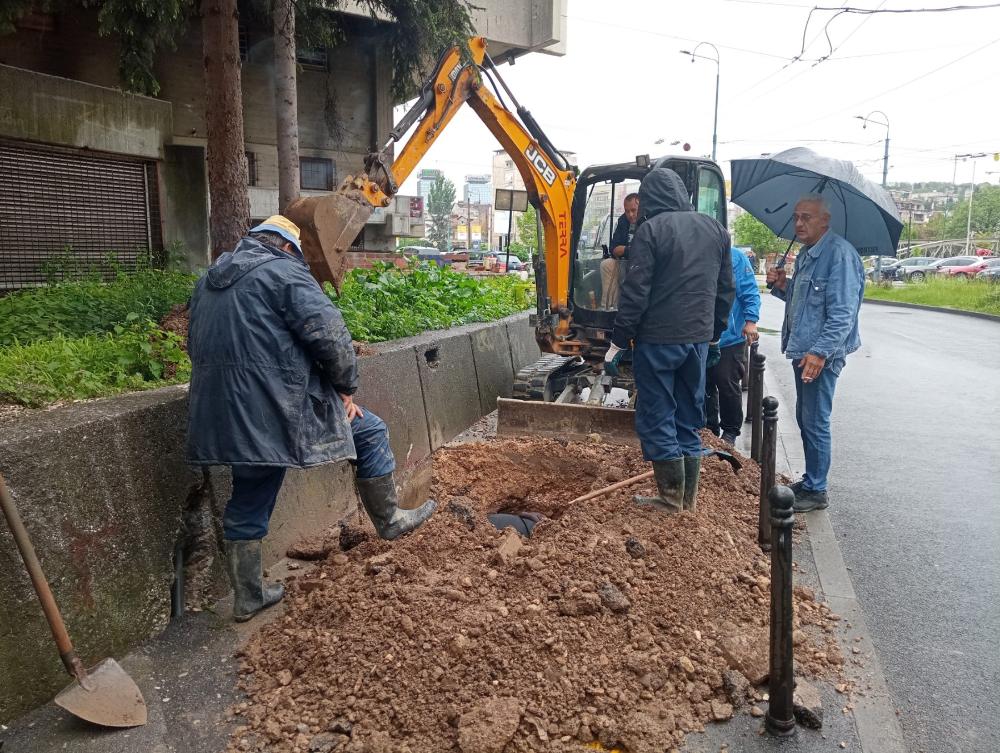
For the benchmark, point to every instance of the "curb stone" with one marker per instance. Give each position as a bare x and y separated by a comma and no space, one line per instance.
938,309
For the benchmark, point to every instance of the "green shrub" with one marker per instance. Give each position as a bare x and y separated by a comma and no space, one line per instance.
133,357
385,303
84,307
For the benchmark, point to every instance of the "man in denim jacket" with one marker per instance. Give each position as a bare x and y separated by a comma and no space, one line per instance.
822,301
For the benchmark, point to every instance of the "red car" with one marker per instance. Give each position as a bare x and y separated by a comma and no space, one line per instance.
963,268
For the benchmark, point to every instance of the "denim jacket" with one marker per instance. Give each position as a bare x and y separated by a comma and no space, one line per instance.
824,318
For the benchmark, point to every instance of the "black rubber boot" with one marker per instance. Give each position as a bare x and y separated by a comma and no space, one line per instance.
669,476
246,574
378,495
692,470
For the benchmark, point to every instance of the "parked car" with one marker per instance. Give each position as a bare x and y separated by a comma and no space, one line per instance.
426,253
888,270
958,266
991,272
914,268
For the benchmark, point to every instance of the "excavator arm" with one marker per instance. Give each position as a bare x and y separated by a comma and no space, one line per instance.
330,223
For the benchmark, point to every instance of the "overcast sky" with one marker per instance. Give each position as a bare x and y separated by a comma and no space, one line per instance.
623,84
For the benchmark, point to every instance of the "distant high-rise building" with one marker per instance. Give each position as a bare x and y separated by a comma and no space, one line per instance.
424,182
478,189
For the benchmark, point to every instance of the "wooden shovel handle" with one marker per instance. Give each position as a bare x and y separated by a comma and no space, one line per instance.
613,487
38,578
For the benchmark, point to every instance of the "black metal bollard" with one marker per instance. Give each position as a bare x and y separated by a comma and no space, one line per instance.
748,380
768,456
780,719
756,396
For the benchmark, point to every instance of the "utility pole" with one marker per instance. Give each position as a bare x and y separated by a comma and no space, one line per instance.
885,169
715,118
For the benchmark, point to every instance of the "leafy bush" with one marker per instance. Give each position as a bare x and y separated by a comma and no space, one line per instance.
385,303
136,356
84,307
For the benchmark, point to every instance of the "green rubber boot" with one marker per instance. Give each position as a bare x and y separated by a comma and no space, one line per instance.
692,470
378,495
669,476
246,574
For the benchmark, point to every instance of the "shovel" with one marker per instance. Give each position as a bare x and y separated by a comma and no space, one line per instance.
105,695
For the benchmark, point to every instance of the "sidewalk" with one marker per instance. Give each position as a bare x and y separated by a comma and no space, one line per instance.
188,674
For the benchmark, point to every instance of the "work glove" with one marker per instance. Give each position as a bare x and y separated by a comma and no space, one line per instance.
714,354
612,358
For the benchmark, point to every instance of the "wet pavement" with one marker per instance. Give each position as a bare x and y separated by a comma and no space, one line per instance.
915,504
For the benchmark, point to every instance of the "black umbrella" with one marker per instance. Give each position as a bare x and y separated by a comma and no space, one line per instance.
860,211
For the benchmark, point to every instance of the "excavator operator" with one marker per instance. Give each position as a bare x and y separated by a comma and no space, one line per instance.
674,306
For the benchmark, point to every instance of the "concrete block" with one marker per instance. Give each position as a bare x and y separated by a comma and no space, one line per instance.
523,348
491,355
390,386
448,379
101,487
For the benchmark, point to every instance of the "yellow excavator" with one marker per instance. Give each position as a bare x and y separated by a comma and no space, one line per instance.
564,393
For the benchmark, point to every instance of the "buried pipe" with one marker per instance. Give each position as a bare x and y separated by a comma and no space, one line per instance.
780,719
768,456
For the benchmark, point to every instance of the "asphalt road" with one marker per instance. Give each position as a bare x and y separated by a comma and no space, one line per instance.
915,503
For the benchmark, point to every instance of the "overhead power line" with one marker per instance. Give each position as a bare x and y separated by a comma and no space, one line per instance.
839,11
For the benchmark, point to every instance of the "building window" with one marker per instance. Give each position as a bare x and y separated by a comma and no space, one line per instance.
313,58
316,174
251,169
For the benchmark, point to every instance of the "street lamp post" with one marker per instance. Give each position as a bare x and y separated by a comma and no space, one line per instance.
715,118
885,168
972,194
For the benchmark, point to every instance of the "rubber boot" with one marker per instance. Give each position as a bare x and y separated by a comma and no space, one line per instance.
692,470
246,574
669,476
378,495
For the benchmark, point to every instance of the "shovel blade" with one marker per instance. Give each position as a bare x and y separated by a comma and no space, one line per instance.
112,699
570,421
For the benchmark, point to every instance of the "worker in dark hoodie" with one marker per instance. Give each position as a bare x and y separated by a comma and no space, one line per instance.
273,374
673,308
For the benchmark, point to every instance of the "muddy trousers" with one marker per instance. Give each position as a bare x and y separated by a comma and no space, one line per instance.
670,407
256,487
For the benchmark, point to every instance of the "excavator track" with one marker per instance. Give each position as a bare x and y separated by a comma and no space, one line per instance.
543,380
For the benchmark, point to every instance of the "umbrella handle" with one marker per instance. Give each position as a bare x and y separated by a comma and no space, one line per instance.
20,534
782,261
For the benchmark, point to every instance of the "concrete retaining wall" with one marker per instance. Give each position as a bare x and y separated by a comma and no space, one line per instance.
105,495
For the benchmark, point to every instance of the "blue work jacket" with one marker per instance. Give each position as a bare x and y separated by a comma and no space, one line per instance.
746,305
822,301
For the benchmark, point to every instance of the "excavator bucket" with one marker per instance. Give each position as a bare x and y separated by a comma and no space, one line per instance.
329,225
568,421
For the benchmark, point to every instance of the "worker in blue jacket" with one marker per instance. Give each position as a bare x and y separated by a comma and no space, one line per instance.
723,392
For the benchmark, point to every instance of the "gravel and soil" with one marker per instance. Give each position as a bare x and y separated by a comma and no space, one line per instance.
613,626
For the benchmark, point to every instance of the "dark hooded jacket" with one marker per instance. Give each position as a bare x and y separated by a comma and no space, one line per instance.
269,355
679,287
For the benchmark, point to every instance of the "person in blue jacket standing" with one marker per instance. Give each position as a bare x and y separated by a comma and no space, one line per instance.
822,303
273,377
723,392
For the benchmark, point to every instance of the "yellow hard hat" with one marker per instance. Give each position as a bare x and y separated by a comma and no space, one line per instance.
281,225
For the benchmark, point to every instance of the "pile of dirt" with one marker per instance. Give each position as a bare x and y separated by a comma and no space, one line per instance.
613,624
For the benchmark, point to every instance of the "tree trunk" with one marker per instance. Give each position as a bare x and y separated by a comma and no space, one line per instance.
286,105
227,161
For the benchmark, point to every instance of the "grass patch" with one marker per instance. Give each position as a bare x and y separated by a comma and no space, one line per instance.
135,356
965,295
86,307
386,303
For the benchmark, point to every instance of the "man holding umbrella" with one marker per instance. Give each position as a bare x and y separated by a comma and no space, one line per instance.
820,329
